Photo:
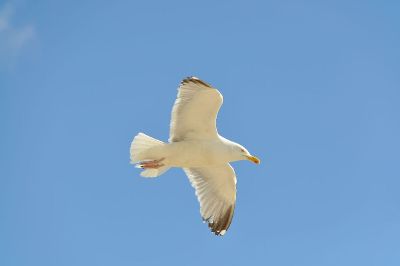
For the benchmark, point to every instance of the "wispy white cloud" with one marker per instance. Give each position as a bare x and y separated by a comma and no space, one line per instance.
13,38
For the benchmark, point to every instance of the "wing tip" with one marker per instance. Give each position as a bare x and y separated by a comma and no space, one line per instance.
222,224
195,80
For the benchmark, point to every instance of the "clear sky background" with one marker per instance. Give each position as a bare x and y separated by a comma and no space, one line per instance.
311,87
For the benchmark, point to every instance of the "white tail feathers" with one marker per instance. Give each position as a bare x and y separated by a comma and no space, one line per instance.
145,148
140,147
154,172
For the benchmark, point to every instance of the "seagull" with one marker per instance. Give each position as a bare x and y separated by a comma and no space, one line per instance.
195,145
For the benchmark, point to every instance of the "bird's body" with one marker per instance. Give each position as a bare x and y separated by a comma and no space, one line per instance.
191,153
196,146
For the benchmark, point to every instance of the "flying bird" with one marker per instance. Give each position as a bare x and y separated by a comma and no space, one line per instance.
195,145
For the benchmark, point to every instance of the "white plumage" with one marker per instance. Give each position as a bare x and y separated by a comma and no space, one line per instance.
196,146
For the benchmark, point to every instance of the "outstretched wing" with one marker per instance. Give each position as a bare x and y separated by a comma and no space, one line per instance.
216,191
195,111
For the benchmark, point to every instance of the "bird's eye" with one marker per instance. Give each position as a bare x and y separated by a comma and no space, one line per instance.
242,150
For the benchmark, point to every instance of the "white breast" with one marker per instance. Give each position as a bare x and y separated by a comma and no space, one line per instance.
196,153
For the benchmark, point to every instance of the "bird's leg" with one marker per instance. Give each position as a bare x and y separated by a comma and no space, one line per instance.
153,164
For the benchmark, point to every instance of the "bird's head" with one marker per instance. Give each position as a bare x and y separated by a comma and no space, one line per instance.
241,153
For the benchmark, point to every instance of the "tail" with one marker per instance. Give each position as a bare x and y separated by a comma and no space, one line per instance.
144,148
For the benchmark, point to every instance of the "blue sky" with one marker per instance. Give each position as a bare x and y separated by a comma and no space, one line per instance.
311,87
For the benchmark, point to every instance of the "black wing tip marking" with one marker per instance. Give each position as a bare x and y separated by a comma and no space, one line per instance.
222,224
195,80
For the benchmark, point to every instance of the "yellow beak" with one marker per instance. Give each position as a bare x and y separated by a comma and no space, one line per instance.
254,159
